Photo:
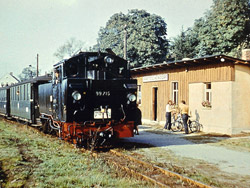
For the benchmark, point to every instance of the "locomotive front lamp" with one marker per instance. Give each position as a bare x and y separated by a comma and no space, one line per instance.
109,60
76,95
131,97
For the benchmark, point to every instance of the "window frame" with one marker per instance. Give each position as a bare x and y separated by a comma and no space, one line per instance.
139,101
175,92
207,95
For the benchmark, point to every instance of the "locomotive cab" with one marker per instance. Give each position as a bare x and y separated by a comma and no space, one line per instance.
93,87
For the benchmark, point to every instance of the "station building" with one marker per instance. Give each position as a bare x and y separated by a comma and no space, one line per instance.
221,80
8,79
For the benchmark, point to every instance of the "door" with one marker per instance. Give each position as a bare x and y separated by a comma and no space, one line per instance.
57,93
154,103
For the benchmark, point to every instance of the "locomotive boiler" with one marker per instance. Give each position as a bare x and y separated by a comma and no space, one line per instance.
91,99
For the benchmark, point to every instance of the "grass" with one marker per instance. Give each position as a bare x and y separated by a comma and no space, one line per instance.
30,159
239,142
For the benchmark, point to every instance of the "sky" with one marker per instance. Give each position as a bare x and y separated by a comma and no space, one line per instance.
31,27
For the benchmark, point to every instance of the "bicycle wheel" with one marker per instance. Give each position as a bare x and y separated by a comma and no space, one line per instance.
194,127
176,126
200,128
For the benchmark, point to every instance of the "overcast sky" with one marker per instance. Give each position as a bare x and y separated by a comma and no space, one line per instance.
31,27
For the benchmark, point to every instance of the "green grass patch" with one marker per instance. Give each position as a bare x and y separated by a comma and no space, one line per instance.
30,159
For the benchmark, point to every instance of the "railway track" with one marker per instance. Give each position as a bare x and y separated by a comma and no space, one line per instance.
157,176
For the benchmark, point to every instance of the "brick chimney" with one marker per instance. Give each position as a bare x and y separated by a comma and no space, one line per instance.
246,54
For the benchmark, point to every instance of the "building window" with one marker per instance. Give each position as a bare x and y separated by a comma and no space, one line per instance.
207,95
175,92
139,94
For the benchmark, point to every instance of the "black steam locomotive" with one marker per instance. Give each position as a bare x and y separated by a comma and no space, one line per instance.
91,98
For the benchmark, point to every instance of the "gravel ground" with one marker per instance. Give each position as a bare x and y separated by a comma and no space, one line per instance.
226,160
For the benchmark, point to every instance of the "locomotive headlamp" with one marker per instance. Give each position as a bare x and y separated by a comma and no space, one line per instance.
76,95
108,59
131,97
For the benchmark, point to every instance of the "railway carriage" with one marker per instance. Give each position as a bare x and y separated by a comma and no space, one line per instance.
24,99
5,101
91,96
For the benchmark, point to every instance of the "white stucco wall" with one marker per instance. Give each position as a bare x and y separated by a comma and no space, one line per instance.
241,99
218,118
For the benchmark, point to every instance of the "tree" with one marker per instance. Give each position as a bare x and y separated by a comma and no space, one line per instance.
223,30
227,22
27,73
71,47
146,37
189,43
183,46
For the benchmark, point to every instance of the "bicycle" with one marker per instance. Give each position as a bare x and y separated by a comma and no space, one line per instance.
195,126
177,125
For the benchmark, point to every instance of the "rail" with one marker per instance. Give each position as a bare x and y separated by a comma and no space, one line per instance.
149,172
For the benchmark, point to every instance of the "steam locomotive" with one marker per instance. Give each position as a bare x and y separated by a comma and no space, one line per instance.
90,99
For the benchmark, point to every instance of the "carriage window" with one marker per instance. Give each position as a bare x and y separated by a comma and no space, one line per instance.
24,92
18,93
14,93
21,93
27,92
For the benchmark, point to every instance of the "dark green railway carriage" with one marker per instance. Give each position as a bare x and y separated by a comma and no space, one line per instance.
24,99
5,101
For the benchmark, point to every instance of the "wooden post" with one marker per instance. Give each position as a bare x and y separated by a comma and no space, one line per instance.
125,42
37,62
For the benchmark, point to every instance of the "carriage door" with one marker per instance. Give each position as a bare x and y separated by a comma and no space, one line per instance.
154,103
57,93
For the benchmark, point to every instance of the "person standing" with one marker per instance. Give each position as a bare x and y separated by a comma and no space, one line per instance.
168,115
184,113
138,117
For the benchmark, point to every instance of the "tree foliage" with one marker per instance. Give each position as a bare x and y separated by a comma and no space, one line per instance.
223,30
71,47
183,44
27,73
146,37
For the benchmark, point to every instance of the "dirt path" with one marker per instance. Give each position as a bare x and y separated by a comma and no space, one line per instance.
229,161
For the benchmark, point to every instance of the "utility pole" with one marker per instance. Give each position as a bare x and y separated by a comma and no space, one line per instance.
125,42
37,62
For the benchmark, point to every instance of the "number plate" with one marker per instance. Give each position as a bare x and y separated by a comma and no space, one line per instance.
100,115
